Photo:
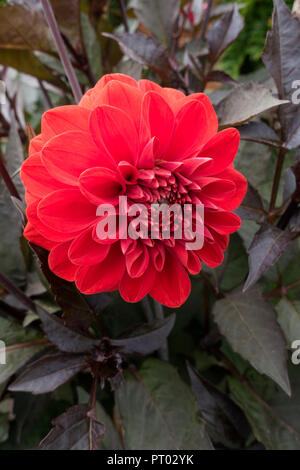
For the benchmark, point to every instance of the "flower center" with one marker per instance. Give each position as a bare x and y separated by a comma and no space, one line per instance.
163,184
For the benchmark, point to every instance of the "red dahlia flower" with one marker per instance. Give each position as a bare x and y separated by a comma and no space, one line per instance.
151,144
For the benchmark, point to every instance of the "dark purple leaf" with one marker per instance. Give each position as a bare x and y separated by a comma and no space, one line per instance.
146,339
281,56
222,77
248,322
267,246
223,32
63,337
245,102
158,17
48,373
74,430
225,420
259,132
77,311
146,51
252,206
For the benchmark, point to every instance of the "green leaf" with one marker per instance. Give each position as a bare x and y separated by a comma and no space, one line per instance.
281,56
167,410
274,422
267,246
21,345
158,17
248,322
289,318
244,102
11,258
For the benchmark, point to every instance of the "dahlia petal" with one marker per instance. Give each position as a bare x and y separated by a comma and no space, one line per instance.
66,210
63,119
171,94
114,129
36,144
193,262
194,167
85,251
134,290
230,203
101,185
67,155
222,148
127,245
172,286
89,99
121,77
158,256
147,85
44,230
191,122
137,261
181,252
104,276
35,176
122,96
211,254
158,119
128,172
221,221
211,117
148,155
216,188
111,225
221,239
33,236
60,264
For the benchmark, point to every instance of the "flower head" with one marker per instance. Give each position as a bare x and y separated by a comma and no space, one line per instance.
152,145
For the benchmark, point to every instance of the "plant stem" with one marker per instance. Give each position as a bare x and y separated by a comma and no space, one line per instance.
206,19
45,94
282,291
124,15
8,181
29,344
147,309
62,50
93,400
278,171
159,314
